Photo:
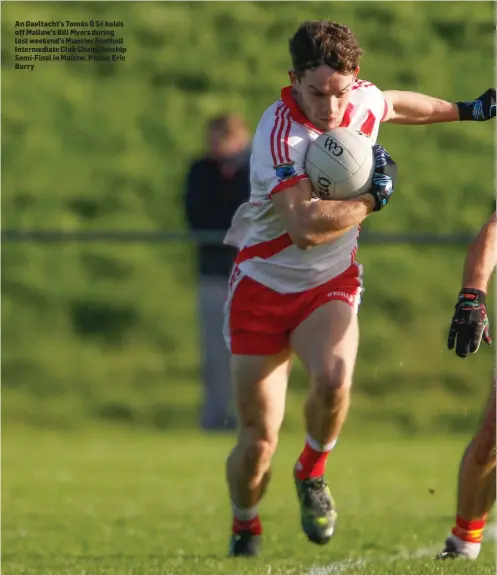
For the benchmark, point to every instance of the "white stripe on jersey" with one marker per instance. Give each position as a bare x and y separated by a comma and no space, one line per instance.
279,136
281,141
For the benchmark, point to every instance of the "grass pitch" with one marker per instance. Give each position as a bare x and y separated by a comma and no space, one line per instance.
134,503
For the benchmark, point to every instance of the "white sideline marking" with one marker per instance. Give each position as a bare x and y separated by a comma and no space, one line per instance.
337,568
342,567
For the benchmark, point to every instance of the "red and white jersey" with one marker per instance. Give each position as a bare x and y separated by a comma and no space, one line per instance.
267,253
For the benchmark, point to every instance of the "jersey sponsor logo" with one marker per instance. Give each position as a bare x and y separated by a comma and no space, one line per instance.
285,171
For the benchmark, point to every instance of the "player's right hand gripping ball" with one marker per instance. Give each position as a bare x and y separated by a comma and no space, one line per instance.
479,110
384,177
469,323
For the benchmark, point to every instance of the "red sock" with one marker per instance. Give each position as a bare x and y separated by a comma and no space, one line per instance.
254,525
470,531
311,462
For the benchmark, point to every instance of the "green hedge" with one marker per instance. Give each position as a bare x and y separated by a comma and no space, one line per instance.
107,330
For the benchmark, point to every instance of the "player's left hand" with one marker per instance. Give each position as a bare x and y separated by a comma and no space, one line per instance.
384,177
469,323
480,109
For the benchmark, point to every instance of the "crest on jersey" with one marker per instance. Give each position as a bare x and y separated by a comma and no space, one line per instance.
285,171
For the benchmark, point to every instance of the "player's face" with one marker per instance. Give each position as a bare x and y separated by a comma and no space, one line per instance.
216,142
323,95
222,145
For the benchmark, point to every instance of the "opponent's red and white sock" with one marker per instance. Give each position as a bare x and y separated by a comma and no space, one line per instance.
468,535
246,520
312,460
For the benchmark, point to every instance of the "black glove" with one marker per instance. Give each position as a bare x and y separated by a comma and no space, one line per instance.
384,177
479,110
469,323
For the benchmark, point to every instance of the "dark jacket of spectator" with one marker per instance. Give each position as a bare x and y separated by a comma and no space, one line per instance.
216,185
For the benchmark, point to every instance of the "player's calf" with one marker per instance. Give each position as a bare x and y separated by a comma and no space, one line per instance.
260,385
326,410
326,342
247,467
328,401
476,492
248,473
317,508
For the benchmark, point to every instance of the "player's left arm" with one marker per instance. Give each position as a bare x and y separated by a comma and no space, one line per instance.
415,108
481,259
470,322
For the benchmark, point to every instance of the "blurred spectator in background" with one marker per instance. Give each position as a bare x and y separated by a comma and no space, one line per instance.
216,185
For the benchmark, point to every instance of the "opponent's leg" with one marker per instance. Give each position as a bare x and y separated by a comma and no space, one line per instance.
260,384
326,343
476,488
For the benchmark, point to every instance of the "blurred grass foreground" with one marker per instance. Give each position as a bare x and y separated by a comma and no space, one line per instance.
107,331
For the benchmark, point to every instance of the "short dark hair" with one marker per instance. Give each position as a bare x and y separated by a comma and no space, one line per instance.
228,124
322,42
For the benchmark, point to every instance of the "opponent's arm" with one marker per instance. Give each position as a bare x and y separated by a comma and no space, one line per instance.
310,223
415,108
481,258
470,322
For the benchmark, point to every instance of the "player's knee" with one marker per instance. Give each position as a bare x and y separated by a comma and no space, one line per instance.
332,380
